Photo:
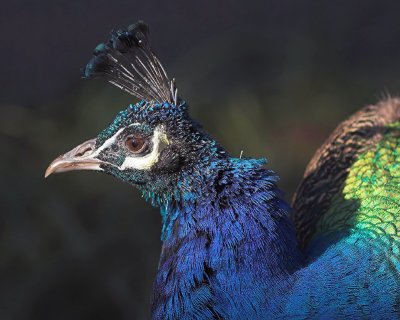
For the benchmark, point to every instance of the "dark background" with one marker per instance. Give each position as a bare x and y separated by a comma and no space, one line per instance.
271,78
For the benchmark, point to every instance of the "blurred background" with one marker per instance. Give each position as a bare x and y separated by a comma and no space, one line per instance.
271,78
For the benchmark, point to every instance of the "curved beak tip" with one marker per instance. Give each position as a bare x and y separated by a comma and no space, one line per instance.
52,168
48,172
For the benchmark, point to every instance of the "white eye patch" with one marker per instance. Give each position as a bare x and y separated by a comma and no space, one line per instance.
159,142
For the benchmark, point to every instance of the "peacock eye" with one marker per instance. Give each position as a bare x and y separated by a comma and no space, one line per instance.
135,144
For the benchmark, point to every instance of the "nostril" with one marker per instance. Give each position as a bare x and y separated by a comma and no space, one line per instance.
83,151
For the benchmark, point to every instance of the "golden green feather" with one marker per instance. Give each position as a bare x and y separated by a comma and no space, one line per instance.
369,202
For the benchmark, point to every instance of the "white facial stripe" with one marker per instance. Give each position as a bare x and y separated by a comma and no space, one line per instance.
159,140
110,141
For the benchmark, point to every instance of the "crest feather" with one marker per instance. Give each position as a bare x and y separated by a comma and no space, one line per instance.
128,62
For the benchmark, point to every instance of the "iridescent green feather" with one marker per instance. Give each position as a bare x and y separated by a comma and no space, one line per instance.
351,186
368,204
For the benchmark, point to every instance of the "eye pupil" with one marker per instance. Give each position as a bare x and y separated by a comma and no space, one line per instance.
135,144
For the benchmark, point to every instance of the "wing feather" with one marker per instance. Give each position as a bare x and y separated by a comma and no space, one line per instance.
351,186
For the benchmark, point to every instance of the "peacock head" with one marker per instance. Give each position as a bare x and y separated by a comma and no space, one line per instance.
152,144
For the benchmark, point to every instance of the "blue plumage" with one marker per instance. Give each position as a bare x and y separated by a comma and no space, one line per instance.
221,250
230,249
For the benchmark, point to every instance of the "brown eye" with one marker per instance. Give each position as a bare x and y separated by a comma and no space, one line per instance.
135,144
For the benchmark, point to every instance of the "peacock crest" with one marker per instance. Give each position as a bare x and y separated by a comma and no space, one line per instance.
128,62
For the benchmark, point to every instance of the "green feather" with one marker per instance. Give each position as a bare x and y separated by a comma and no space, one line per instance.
369,201
351,188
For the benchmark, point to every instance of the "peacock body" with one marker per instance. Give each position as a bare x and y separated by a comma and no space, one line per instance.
232,249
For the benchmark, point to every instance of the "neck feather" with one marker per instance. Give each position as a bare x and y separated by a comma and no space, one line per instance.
229,225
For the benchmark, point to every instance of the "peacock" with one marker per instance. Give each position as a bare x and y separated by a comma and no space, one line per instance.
232,247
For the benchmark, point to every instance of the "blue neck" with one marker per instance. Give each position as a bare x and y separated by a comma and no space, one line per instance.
226,235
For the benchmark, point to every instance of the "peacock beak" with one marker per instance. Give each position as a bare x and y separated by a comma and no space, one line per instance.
82,157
